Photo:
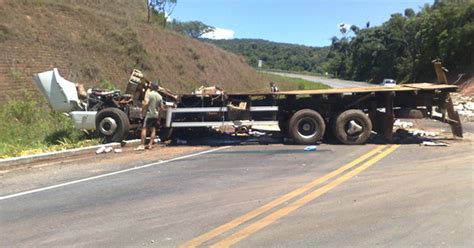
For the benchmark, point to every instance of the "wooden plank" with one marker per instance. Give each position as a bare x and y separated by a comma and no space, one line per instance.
440,73
345,90
398,88
429,86
456,127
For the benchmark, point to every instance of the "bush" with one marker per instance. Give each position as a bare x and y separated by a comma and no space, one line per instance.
107,85
16,74
29,125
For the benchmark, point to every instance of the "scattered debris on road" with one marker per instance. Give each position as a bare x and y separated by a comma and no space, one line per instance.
402,124
464,105
409,127
100,150
433,143
310,148
412,132
104,149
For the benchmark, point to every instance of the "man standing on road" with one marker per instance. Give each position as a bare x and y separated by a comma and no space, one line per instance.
151,110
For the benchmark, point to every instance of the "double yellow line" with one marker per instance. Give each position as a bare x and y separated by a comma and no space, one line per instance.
370,159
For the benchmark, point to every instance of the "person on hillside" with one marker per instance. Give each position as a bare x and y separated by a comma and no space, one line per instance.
273,87
151,111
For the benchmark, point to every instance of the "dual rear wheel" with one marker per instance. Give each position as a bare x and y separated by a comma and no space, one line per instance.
351,127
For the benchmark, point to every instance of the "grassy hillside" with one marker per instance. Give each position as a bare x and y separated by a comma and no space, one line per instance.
98,41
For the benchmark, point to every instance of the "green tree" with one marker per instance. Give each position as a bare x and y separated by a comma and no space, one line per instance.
409,12
404,46
193,29
160,8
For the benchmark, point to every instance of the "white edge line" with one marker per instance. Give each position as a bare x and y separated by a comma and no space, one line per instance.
109,174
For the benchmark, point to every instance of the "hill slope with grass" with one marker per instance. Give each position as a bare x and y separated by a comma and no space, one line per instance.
97,42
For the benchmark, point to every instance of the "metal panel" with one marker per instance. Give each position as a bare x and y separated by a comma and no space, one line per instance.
220,123
60,93
199,110
83,119
263,108
222,109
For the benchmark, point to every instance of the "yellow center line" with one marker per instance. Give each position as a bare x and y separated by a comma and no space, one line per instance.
252,214
242,234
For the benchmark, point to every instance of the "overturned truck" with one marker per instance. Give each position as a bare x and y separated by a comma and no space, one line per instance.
304,116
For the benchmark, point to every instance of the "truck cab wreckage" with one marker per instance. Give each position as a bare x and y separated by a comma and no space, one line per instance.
304,116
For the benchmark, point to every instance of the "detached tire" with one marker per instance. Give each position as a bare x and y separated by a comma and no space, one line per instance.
306,127
112,124
352,127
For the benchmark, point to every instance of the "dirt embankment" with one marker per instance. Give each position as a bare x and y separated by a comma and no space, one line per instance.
95,41
467,88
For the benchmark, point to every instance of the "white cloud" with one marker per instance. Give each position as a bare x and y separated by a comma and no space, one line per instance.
219,34
168,17
344,25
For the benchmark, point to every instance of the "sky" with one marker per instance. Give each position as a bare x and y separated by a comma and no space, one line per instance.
305,22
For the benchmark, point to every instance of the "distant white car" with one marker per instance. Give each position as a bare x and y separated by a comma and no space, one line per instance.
388,82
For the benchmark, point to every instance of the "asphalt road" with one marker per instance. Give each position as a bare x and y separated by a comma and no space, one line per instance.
247,196
333,82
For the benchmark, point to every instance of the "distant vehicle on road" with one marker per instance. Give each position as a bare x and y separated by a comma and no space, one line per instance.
388,82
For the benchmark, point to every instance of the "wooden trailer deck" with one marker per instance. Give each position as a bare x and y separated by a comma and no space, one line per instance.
375,88
404,87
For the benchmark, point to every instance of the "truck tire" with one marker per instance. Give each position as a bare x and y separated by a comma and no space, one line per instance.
112,124
306,127
352,127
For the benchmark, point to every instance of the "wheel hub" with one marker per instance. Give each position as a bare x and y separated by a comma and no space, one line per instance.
107,126
353,128
307,128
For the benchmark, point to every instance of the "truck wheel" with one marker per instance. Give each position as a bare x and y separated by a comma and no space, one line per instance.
112,124
306,127
352,127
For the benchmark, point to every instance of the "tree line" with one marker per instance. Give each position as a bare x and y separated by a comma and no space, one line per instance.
404,47
281,56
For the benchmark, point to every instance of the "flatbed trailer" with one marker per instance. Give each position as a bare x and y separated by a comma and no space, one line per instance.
305,116
351,114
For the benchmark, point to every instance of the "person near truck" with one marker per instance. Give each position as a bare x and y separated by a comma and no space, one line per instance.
273,87
151,111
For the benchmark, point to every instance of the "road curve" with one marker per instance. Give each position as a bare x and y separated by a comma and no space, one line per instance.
332,82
